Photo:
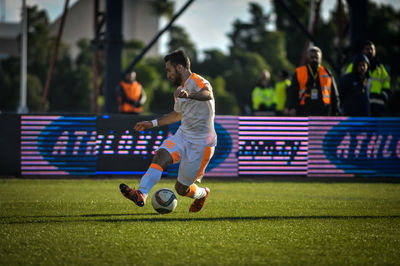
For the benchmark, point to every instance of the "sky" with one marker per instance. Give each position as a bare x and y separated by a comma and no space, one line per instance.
206,21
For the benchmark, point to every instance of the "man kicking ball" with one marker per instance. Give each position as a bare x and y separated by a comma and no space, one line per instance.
194,142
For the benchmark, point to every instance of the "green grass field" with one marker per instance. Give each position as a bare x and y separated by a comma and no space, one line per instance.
88,222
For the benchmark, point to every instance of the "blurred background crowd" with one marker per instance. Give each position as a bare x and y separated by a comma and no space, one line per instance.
264,51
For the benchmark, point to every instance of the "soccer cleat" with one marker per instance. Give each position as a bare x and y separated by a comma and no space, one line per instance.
198,204
134,195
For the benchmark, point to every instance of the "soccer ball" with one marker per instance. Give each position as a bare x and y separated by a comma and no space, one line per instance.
164,200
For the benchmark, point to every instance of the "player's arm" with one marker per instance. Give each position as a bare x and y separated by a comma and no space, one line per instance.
162,121
205,94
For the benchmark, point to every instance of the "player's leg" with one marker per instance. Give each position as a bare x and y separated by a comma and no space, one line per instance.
192,169
192,191
160,161
166,155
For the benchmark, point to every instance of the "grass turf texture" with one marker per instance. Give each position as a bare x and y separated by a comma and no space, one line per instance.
88,222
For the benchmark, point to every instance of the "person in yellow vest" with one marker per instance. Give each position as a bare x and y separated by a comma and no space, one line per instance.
379,89
281,88
131,95
263,96
313,91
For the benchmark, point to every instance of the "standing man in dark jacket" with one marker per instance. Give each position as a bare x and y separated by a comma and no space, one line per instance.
313,91
354,89
379,89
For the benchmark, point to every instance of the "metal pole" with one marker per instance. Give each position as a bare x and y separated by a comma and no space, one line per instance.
22,108
151,43
2,10
307,33
53,58
95,87
358,22
315,6
113,53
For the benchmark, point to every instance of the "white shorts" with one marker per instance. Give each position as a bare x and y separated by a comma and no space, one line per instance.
193,158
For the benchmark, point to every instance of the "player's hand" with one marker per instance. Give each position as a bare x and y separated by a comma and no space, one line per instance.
181,93
143,125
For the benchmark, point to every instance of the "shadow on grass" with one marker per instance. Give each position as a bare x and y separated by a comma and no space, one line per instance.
75,216
165,218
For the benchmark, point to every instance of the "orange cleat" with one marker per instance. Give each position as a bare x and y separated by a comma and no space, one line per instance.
134,195
198,204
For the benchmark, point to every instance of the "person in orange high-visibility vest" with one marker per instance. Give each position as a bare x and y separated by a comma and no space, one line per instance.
131,95
313,91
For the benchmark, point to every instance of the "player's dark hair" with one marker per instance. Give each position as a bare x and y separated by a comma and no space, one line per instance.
178,57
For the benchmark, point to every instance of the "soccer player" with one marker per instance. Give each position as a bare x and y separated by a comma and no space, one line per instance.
194,142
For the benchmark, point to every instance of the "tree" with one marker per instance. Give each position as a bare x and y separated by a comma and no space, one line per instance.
383,28
324,34
179,39
130,50
40,42
38,55
9,84
253,49
246,35
163,8
225,102
271,47
293,36
242,74
69,90
214,63
254,37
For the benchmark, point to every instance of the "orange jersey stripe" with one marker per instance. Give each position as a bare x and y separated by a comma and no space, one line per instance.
199,81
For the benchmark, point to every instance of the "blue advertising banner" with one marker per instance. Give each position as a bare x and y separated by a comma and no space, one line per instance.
247,146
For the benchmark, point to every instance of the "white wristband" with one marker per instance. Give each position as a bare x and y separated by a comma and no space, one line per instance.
154,122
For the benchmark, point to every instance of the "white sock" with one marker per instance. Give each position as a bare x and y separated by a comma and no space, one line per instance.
199,192
150,178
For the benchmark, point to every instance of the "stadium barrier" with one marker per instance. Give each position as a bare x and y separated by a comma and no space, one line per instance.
90,145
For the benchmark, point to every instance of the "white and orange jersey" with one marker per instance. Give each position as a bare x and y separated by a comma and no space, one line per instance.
197,123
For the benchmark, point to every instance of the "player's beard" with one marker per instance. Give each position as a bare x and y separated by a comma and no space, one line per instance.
177,80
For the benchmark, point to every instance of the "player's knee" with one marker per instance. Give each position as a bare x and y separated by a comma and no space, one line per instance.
181,189
162,158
